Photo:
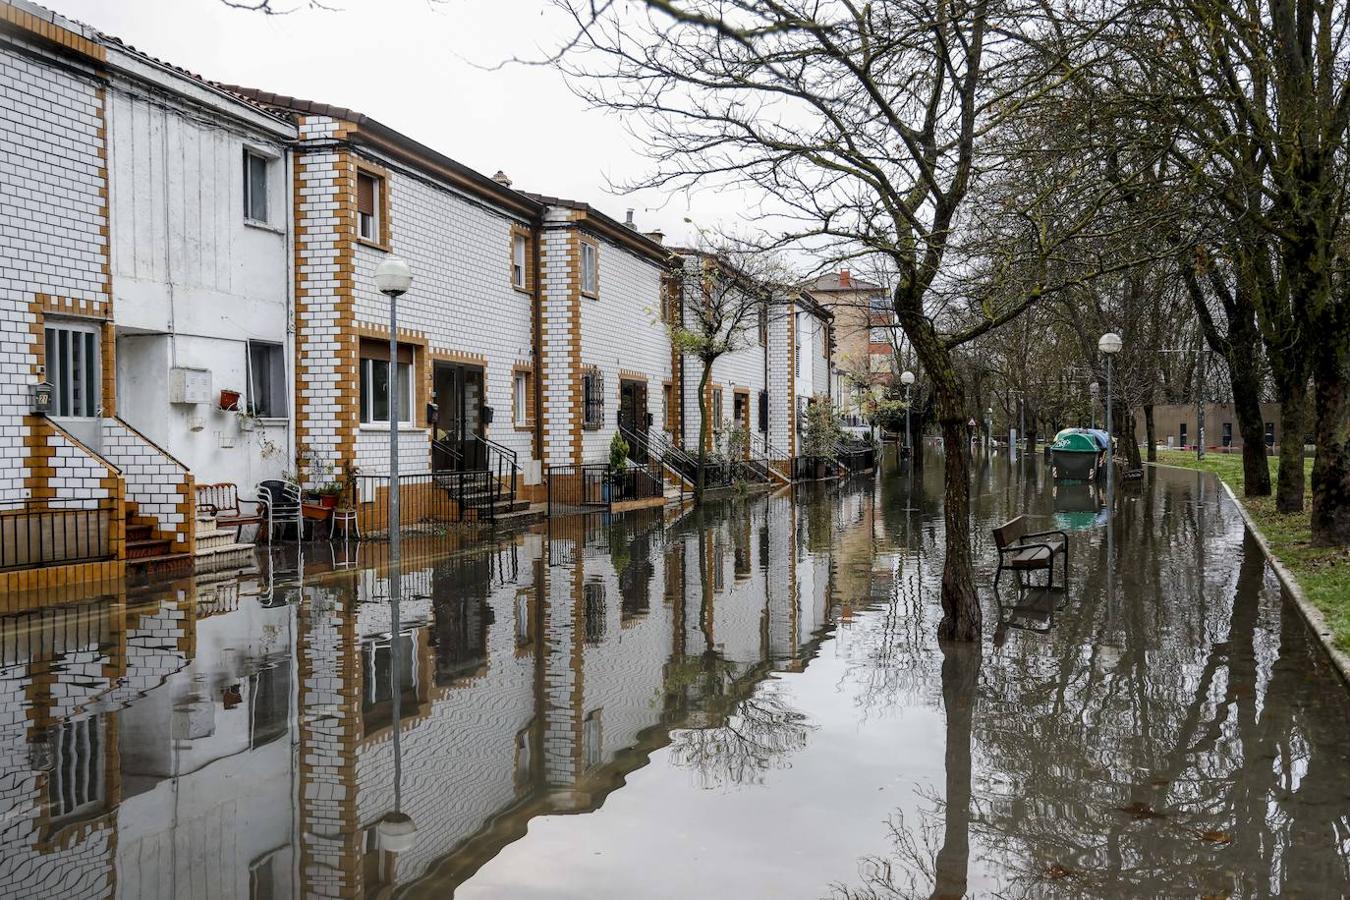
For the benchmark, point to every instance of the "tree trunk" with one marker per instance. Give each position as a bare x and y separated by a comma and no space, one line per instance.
1129,442
1150,433
1331,466
1293,423
961,618
1247,408
704,377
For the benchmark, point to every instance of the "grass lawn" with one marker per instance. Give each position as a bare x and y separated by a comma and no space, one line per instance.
1323,573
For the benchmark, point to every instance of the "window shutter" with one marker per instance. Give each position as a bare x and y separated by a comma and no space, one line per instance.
763,410
365,194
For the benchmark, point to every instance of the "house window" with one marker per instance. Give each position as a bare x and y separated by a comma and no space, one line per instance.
518,247
593,400
375,383
73,369
368,199
522,614
524,757
1228,434
590,274
266,380
255,186
1270,434
717,408
520,405
1182,429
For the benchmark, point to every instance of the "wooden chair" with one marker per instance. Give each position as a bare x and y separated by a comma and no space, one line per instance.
221,500
1022,551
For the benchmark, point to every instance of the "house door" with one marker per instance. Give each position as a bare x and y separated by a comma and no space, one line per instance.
457,391
740,414
633,416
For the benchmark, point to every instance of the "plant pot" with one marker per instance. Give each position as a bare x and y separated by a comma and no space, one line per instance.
328,501
229,400
247,423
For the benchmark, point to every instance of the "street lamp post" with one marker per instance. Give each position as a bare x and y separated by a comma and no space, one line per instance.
393,278
907,379
1109,344
989,428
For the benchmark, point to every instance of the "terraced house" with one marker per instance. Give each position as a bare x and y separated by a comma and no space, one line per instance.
144,238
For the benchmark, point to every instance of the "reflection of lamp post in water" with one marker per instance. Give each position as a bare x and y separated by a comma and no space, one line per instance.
395,831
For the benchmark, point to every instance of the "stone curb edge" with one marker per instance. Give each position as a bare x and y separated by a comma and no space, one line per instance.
1340,660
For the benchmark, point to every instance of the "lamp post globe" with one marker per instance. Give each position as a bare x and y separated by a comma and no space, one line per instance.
1110,343
906,378
393,276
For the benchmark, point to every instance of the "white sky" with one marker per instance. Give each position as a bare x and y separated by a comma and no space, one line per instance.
410,64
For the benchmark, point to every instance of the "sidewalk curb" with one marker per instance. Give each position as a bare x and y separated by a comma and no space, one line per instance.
1340,660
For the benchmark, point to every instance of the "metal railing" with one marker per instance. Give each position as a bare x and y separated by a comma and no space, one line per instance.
429,497
41,533
597,487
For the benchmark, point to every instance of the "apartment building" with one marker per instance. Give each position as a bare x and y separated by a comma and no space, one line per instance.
865,336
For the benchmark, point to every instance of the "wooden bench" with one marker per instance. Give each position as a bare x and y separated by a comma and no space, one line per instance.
222,501
1022,551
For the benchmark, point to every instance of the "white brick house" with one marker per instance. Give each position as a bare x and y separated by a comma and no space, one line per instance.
606,349
466,328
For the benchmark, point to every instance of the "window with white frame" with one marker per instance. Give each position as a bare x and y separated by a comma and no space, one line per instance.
368,190
255,186
520,404
73,368
590,273
375,383
266,380
518,249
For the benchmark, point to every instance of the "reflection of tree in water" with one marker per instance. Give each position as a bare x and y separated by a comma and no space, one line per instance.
1175,735
755,734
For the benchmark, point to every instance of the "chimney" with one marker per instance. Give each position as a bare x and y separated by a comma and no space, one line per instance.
502,178
844,278
628,220
658,236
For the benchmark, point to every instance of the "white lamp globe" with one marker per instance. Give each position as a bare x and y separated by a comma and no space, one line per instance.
906,377
1110,343
392,276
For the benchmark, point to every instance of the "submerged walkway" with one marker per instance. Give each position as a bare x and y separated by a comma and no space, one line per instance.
749,703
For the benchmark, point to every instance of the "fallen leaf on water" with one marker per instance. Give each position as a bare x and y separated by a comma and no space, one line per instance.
1055,870
1216,837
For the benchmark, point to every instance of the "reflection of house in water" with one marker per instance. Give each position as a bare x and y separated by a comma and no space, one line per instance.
242,746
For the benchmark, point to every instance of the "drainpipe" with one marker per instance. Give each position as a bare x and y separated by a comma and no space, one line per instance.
288,154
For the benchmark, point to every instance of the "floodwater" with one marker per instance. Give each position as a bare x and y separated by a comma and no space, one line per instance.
744,702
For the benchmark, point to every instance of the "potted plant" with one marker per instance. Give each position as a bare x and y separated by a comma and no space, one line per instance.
822,435
618,465
327,494
229,400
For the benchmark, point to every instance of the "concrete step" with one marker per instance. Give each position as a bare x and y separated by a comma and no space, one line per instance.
145,569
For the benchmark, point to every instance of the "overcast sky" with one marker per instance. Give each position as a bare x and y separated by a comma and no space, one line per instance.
411,65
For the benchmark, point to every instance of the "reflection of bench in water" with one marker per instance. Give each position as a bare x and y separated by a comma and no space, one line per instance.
1023,551
1033,611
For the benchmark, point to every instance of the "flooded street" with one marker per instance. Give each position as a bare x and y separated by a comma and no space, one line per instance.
744,701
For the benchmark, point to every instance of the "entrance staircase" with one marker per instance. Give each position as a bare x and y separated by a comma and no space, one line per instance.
150,558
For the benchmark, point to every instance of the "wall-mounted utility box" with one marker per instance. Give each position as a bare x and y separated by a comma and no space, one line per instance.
190,385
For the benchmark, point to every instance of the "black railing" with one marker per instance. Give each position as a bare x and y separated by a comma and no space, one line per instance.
499,460
659,449
598,487
429,497
41,533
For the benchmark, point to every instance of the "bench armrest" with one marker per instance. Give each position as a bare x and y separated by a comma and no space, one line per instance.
1032,547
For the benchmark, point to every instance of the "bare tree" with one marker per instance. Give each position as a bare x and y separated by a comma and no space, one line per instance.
720,301
864,132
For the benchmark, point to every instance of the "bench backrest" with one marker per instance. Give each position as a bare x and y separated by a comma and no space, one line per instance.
224,497
1010,532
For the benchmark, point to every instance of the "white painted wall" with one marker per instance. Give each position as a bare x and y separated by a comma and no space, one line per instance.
193,280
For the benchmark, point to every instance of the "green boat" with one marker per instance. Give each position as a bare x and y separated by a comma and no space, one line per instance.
1078,454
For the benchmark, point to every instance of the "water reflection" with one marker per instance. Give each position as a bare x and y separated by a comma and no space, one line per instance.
744,702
